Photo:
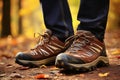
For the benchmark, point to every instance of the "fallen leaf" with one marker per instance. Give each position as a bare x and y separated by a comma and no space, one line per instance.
16,75
23,68
116,52
118,57
54,68
43,66
54,72
103,74
9,65
2,75
41,76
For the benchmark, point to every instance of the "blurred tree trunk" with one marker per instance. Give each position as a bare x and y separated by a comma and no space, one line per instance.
20,20
6,28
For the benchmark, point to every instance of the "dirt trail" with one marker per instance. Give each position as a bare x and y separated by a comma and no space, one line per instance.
9,70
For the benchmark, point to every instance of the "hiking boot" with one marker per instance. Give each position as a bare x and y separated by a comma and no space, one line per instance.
44,52
85,53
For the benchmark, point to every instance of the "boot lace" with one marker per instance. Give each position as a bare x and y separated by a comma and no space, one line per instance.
79,41
41,39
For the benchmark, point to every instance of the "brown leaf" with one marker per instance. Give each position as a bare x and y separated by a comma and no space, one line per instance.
118,57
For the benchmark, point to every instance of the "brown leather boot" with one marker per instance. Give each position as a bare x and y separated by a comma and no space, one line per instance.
45,51
85,53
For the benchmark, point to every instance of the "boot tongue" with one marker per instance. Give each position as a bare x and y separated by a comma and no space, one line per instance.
83,32
48,32
46,36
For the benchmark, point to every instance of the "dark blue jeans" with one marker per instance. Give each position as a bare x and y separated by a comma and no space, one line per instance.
92,14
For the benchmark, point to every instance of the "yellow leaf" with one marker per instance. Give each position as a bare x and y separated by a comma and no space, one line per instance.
103,74
54,68
43,66
116,52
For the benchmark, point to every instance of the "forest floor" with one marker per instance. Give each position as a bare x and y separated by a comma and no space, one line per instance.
9,70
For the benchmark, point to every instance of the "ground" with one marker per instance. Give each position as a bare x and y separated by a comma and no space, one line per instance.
9,70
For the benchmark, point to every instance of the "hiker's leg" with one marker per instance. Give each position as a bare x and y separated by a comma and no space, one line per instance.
93,16
57,17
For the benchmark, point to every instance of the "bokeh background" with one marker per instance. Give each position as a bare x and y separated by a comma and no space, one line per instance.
24,17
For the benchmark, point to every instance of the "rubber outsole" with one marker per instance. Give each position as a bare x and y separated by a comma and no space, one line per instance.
36,63
101,61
